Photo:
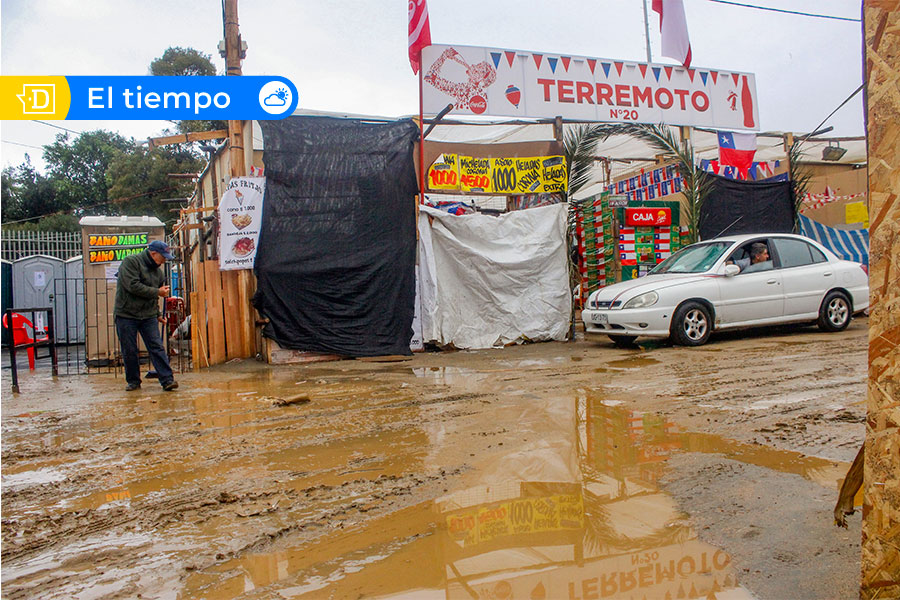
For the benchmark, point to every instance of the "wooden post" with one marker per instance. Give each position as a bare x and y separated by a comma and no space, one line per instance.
880,577
236,139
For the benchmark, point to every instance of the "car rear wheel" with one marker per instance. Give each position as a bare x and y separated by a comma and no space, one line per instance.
623,341
691,325
835,313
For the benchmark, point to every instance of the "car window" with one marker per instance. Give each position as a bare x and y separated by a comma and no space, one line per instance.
818,255
697,258
794,253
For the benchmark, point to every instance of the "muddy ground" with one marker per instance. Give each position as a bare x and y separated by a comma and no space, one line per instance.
558,470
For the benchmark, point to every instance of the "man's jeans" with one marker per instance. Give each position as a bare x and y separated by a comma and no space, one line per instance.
127,330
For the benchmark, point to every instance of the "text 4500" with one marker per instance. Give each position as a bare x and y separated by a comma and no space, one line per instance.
623,113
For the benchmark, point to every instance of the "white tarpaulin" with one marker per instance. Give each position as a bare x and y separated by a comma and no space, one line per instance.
488,281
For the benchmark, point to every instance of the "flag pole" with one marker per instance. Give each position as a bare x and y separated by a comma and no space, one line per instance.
421,139
647,32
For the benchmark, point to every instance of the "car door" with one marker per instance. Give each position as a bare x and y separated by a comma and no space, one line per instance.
751,297
807,276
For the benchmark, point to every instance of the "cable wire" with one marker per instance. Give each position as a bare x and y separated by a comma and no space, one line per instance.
789,12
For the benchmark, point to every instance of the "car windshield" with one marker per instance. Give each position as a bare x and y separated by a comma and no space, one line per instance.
693,259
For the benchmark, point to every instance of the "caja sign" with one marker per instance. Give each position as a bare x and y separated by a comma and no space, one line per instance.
648,217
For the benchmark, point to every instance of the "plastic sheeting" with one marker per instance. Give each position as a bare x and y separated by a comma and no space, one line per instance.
336,261
488,281
735,207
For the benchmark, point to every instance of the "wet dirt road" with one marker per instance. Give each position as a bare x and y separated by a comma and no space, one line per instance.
575,471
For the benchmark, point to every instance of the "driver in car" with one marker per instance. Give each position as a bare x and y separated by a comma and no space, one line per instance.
758,261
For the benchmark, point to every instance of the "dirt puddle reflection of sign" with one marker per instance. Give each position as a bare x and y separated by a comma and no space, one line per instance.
576,514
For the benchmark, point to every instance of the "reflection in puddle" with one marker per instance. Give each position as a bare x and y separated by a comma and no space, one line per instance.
595,525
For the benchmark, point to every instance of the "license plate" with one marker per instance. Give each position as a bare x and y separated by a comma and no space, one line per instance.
598,318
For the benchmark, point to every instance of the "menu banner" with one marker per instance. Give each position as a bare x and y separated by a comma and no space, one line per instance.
514,175
240,219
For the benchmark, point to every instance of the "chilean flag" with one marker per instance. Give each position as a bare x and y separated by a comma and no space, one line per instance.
419,31
737,150
673,30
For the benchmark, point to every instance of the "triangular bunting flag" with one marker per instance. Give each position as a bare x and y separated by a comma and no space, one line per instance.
537,60
552,62
606,67
495,56
691,74
668,72
619,68
565,62
510,57
703,76
643,69
716,587
693,593
735,77
681,593
656,72
592,63
712,596
715,76
668,596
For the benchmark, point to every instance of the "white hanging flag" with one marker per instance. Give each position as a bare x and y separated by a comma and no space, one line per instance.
673,30
240,218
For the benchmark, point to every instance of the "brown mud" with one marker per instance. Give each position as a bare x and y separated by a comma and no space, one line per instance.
551,470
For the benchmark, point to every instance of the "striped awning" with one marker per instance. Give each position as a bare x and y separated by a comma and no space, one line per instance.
849,245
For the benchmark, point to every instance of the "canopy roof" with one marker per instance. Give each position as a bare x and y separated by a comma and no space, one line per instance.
625,153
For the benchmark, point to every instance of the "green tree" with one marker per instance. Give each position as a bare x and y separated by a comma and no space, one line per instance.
139,180
182,61
28,195
187,61
78,169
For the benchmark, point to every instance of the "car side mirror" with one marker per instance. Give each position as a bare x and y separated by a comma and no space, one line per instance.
732,270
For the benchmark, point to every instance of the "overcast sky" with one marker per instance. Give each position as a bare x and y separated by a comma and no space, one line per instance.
351,55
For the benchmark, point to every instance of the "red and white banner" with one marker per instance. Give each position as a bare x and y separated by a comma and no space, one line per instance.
419,31
518,83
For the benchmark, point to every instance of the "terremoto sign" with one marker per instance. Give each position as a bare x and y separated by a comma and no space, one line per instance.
516,83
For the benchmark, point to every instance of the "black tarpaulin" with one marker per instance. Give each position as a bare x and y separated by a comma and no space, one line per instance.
735,207
336,261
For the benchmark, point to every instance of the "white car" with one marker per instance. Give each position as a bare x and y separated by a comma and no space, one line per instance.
711,285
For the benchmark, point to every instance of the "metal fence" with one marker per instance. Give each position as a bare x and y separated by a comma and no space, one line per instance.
17,244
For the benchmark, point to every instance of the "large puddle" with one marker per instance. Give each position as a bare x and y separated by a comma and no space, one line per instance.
576,514
561,501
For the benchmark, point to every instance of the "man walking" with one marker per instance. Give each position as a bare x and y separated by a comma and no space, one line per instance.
138,291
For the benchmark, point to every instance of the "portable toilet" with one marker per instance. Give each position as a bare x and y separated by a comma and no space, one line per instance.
6,292
74,295
34,286
105,241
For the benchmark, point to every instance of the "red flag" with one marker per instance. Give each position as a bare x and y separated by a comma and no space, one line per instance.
419,31
673,30
737,150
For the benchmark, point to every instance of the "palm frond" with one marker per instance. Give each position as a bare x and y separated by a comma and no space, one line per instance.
800,177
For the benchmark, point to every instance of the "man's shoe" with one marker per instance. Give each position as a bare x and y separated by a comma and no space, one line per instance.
132,386
171,386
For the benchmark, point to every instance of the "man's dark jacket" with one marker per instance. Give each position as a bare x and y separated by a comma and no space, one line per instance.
137,293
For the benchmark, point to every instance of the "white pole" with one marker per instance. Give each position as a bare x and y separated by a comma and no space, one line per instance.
647,32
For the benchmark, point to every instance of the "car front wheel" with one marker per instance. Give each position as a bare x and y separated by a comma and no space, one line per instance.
835,313
691,325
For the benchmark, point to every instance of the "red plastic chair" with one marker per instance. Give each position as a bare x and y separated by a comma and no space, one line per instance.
22,336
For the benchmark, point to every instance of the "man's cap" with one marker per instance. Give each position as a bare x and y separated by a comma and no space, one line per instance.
160,247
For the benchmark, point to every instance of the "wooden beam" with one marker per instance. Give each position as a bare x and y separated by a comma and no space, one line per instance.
185,138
